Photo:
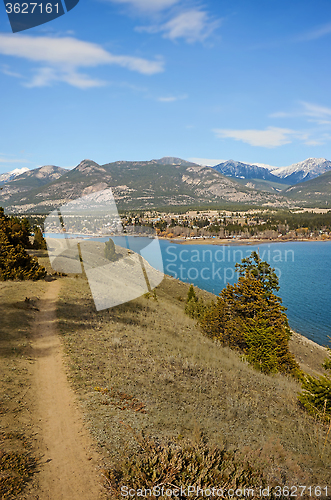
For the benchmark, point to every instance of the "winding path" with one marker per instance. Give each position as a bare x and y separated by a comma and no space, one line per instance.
69,470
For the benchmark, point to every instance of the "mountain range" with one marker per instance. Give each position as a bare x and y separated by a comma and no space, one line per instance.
170,181
241,170
136,185
293,174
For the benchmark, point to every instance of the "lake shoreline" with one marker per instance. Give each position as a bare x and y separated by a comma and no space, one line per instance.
235,242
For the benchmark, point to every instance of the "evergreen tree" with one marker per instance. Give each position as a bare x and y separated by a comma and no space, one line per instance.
260,270
15,263
316,394
17,231
110,253
195,307
249,317
191,294
39,242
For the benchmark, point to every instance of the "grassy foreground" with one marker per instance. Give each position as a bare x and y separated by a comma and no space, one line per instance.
145,369
145,375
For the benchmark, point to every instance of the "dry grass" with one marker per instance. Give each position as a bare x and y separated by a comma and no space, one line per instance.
17,442
150,351
146,366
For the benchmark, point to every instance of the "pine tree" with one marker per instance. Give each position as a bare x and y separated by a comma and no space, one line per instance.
39,242
249,317
316,394
191,294
260,270
15,263
110,253
195,307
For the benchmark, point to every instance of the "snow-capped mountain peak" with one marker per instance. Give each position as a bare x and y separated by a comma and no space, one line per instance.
264,165
304,170
9,176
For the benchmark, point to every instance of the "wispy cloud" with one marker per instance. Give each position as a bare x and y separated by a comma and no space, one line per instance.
5,69
269,138
147,5
172,98
314,113
61,59
191,25
314,34
319,113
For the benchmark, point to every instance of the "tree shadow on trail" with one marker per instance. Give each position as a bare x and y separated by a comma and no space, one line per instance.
16,323
80,314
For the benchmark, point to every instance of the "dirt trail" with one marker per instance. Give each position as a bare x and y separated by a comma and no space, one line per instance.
69,471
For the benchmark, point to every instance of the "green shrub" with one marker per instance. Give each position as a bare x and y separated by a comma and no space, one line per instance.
267,349
316,394
195,307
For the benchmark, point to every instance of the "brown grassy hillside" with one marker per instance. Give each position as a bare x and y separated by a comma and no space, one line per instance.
146,367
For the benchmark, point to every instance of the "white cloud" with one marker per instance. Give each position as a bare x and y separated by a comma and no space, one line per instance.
191,25
171,98
45,77
209,162
148,5
268,138
62,57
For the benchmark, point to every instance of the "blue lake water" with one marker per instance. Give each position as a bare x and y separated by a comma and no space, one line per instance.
303,269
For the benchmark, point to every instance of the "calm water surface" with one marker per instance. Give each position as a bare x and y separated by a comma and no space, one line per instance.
303,269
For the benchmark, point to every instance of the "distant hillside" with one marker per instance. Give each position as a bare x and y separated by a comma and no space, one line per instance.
316,192
136,185
29,184
264,185
171,160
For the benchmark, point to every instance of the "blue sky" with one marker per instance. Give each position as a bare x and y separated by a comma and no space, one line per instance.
141,79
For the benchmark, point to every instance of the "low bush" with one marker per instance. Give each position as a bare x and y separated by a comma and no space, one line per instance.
177,465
